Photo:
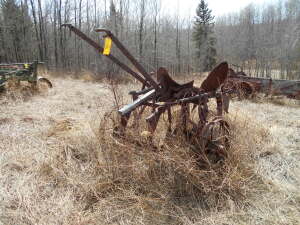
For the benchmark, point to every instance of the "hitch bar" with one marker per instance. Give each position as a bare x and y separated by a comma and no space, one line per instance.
130,57
146,80
110,56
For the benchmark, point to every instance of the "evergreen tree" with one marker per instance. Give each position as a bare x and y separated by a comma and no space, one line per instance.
203,37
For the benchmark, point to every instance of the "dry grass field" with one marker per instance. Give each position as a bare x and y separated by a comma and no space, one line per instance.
59,164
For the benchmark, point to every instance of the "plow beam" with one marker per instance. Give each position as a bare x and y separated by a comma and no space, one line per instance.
94,44
130,57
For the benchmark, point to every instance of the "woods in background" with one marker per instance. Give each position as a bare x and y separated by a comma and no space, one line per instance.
263,41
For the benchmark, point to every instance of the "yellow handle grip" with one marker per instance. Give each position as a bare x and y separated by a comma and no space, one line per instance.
107,46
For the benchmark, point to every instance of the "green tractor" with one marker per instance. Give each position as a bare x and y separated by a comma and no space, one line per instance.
22,72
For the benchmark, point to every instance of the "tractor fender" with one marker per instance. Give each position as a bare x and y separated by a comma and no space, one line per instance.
45,80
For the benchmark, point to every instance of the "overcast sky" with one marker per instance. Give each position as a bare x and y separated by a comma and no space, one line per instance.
218,7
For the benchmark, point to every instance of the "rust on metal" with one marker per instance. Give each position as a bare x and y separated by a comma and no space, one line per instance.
215,77
247,89
130,57
215,137
161,95
169,87
251,85
95,45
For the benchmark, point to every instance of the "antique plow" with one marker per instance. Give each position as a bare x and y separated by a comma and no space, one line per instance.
22,72
162,94
248,86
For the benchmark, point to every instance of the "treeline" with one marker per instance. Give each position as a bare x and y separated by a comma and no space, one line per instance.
31,29
265,40
261,40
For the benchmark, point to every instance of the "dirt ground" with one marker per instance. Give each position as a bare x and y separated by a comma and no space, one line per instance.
31,129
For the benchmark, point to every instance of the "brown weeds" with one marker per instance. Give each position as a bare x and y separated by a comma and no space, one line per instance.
77,176
21,90
149,179
158,182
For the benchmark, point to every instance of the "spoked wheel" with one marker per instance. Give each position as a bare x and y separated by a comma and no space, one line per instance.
119,125
246,90
215,138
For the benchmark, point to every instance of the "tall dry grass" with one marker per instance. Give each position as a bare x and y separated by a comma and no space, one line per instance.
107,180
15,90
62,165
175,172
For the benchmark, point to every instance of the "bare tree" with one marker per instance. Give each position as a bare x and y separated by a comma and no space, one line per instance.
264,41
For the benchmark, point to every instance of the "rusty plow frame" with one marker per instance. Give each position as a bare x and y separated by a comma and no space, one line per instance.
162,95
